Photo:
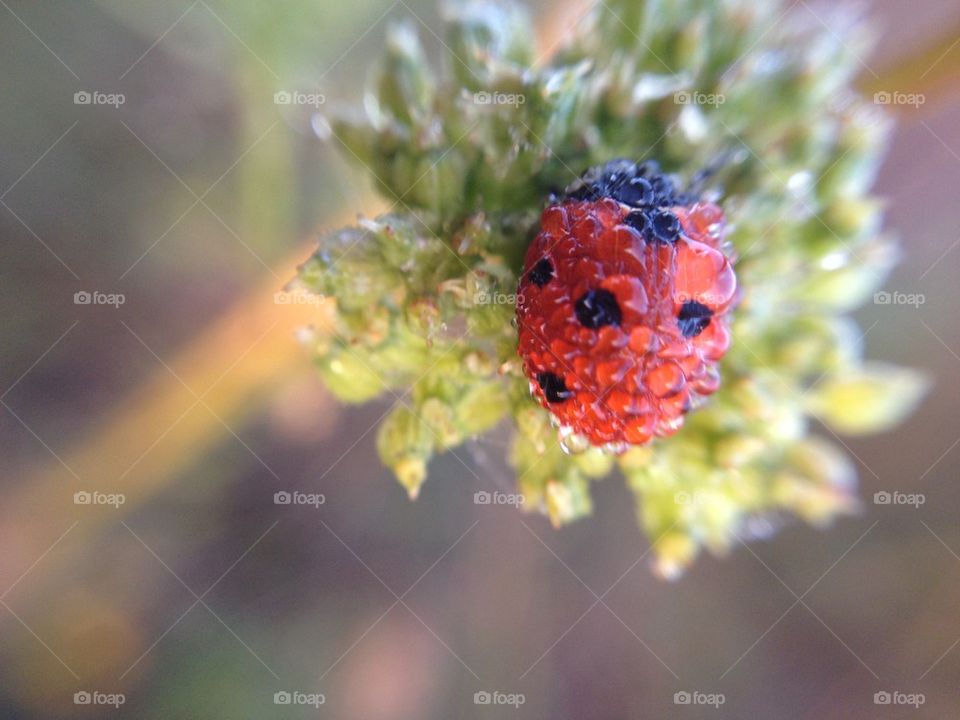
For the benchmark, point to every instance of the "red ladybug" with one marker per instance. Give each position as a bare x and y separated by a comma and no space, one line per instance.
623,306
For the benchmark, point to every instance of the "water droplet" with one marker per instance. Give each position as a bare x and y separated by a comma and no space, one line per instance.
667,569
321,127
833,261
800,183
615,448
668,426
762,527
572,442
306,335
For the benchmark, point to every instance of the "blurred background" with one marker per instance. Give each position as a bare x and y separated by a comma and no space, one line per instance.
155,194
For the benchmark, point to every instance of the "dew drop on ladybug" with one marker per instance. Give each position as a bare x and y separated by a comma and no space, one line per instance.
624,304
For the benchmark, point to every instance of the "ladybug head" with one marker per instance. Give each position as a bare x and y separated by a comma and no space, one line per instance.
640,185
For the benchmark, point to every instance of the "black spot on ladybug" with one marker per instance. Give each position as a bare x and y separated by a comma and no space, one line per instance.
553,387
638,221
693,318
597,308
541,273
666,226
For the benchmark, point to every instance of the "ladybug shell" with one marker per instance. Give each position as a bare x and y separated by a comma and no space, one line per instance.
621,330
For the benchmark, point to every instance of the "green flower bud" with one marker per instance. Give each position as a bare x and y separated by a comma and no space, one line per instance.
481,407
348,378
487,38
567,499
424,298
674,551
867,400
405,444
406,87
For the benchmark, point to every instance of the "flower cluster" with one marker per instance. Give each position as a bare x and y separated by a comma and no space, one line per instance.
794,151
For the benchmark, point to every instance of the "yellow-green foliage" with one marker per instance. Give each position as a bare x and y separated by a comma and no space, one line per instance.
467,151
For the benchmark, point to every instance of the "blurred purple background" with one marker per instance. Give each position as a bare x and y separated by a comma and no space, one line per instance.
199,597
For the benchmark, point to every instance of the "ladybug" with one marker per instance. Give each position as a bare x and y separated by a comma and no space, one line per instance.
623,306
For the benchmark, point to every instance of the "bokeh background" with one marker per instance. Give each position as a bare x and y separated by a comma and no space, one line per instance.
199,597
